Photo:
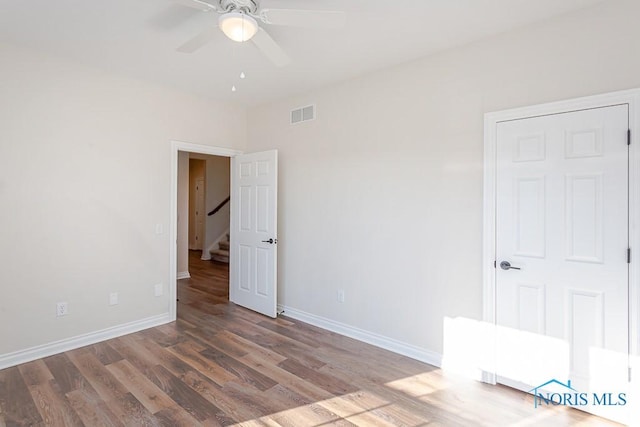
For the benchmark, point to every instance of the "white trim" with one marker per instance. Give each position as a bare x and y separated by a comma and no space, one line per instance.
56,347
630,97
412,351
183,275
177,146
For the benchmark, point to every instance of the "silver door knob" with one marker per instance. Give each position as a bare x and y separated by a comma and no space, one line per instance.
506,265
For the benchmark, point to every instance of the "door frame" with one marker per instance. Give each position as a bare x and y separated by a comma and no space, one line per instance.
491,120
189,147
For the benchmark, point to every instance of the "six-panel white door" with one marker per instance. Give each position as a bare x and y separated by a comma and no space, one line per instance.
253,231
562,224
199,213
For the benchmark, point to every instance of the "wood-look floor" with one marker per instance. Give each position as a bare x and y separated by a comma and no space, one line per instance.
220,364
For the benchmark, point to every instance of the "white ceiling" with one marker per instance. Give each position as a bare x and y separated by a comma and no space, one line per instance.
139,37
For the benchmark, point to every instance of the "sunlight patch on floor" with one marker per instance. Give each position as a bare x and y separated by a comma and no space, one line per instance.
421,384
360,408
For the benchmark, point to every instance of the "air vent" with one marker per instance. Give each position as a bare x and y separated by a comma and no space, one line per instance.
303,114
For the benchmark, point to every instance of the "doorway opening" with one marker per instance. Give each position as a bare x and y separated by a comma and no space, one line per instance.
198,188
203,229
253,219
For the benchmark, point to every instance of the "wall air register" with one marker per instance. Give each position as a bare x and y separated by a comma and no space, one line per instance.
303,114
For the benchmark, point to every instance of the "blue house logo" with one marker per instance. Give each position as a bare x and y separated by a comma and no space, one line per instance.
565,394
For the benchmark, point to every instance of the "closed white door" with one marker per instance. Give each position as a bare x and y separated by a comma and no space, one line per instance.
199,213
253,231
562,226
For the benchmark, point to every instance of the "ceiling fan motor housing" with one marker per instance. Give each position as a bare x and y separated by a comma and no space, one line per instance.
249,7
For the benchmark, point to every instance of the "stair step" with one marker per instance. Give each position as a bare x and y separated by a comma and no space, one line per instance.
224,245
220,255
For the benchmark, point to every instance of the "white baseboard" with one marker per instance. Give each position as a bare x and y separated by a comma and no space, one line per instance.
38,352
183,275
414,352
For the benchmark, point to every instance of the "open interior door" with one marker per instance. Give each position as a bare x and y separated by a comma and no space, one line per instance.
253,231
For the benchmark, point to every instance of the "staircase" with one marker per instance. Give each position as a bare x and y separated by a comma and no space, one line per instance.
222,253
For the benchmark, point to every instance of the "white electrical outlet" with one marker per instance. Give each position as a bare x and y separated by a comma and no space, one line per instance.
341,295
157,289
159,229
113,298
62,309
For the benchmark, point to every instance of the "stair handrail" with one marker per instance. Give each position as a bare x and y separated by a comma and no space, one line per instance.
220,206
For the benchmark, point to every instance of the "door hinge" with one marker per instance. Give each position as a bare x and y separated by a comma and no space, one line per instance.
628,136
628,255
495,264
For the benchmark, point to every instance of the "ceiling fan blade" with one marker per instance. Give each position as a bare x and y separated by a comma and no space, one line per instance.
270,48
196,4
200,40
304,18
172,17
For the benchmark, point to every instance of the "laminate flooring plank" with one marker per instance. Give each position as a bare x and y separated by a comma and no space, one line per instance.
305,357
216,395
136,354
171,417
35,373
105,353
198,362
353,404
174,329
286,378
141,387
185,325
235,346
277,343
17,405
332,384
301,411
249,397
339,344
399,416
386,395
161,338
91,409
221,419
217,340
116,396
238,369
66,374
166,359
192,402
290,333
53,406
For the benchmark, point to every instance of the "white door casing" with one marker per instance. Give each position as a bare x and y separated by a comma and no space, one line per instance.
253,232
530,295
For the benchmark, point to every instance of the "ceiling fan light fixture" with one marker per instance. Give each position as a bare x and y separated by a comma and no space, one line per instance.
238,26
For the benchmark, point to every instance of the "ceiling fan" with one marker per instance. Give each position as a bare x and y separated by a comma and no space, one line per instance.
239,19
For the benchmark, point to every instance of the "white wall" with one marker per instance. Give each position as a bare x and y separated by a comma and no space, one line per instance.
382,195
84,179
218,179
